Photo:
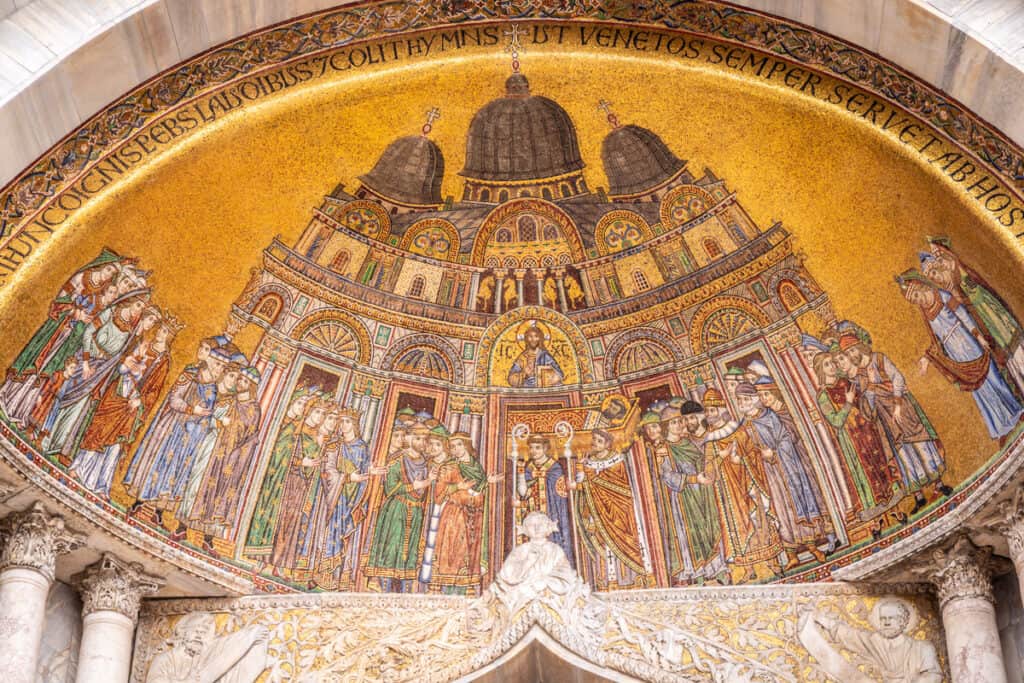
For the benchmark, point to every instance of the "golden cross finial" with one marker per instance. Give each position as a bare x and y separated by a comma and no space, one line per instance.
514,46
433,114
606,107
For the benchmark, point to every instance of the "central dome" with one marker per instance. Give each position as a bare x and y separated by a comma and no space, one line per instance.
521,137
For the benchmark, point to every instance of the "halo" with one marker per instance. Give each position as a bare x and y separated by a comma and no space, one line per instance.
532,322
912,615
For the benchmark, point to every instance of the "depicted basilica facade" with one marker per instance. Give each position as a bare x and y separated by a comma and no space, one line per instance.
469,415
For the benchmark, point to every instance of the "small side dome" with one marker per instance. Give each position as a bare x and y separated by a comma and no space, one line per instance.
409,171
635,160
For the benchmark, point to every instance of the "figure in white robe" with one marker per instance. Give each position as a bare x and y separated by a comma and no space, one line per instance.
196,653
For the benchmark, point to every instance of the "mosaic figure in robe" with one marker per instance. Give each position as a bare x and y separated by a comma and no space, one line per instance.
961,351
59,337
460,496
535,366
219,495
733,466
868,472
124,406
898,417
174,436
1001,329
342,503
797,500
542,486
103,346
396,547
219,419
694,534
290,555
608,517
262,524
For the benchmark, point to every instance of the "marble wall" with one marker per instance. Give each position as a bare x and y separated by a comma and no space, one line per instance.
58,655
1010,618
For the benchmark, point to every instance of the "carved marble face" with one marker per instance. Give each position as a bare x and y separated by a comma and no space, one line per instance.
892,619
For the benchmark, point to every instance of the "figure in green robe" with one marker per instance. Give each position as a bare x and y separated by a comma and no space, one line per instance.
260,540
396,548
697,555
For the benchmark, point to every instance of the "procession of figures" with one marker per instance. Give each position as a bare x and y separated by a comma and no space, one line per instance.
730,479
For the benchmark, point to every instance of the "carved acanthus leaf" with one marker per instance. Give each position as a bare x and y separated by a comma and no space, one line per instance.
33,538
114,585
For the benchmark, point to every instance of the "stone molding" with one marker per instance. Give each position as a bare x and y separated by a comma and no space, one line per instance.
45,478
960,570
33,538
114,585
1007,519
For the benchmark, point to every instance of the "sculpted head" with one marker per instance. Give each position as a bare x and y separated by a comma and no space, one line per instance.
892,617
537,526
193,632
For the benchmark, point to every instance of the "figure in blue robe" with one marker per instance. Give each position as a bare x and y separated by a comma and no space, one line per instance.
341,505
957,352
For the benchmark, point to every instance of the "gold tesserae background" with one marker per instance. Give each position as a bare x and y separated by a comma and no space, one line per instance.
860,205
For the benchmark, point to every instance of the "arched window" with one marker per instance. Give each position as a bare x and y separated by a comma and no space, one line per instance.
340,262
580,186
416,288
713,249
527,229
394,210
485,195
546,193
641,281
551,232
269,307
564,189
503,235
503,196
791,296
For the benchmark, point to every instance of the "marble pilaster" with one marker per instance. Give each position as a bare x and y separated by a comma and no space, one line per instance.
33,539
111,593
962,575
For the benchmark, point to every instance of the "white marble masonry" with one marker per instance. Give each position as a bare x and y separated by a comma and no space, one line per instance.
111,592
962,576
33,539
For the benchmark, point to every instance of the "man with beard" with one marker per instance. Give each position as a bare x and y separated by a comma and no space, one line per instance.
796,497
695,536
885,398
535,367
176,434
733,466
397,544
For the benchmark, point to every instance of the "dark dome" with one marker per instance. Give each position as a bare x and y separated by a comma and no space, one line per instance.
409,171
635,159
521,137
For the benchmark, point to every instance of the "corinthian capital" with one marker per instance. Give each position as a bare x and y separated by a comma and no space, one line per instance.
960,570
114,585
33,538
1008,519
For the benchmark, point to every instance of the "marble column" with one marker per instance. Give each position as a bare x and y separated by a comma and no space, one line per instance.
499,290
33,539
1008,521
111,591
520,274
962,574
563,304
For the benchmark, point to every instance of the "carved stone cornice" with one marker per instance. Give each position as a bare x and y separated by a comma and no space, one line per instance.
33,538
116,586
960,570
1007,519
